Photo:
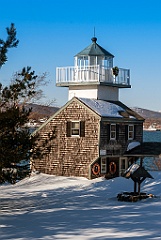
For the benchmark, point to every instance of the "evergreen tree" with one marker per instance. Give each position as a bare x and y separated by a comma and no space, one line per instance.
15,139
10,42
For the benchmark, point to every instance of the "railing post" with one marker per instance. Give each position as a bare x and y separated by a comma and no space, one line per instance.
56,75
98,66
128,77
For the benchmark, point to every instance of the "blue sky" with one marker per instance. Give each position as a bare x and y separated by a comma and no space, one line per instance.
51,32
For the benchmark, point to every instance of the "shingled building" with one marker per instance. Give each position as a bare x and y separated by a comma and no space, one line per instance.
93,130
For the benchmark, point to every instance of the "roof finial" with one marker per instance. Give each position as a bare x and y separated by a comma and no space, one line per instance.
94,39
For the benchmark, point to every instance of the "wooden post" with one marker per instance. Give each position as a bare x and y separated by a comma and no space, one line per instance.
134,187
141,161
139,183
139,180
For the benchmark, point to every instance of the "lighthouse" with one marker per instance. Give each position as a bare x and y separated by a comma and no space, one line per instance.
93,75
93,130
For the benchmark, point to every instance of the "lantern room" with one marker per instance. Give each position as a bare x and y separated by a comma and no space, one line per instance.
94,55
93,75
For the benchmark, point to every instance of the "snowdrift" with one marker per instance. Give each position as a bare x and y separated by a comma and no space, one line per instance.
51,207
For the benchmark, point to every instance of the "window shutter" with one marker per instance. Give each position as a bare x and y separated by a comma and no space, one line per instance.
134,132
126,132
68,129
117,131
108,132
82,129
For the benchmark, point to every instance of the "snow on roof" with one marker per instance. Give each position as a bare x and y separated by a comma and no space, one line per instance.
136,171
106,108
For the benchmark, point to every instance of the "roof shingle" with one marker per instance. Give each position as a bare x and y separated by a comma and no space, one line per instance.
94,50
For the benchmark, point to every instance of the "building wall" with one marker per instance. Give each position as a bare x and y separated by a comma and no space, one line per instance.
69,156
108,93
112,151
86,91
94,91
118,147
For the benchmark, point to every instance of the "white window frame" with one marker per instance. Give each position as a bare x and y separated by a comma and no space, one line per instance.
74,128
130,132
103,165
112,131
121,168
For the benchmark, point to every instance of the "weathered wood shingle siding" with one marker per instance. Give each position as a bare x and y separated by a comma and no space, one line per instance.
70,156
118,146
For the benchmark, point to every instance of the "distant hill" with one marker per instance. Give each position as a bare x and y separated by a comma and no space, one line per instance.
40,111
147,113
47,110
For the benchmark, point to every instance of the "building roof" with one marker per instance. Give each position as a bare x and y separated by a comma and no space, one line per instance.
146,149
136,171
102,108
94,50
111,109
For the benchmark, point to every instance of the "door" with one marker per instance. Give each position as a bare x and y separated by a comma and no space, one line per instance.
123,165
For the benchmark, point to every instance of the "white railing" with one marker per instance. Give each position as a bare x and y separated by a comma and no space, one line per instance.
95,73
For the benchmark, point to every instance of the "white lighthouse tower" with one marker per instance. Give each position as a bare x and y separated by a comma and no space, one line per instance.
93,75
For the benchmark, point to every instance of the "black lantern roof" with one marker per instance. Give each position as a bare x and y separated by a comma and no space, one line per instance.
94,50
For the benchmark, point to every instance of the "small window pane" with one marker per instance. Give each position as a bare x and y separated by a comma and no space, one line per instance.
130,128
112,134
113,127
75,129
103,161
75,124
130,135
103,168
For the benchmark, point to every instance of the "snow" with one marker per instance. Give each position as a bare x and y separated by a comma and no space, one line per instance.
132,145
52,207
104,108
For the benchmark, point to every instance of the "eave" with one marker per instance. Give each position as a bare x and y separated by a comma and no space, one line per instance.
146,149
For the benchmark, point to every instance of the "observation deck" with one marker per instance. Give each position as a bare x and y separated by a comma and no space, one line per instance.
92,75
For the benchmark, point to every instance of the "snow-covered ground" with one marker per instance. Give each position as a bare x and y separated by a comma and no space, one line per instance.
50,207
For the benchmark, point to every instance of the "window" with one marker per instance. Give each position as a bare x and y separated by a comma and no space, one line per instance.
113,131
130,132
103,165
75,128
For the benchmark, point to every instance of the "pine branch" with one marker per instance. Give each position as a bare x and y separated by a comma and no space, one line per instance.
10,42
